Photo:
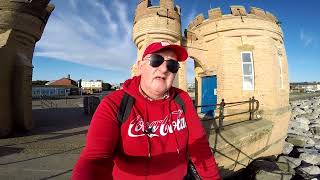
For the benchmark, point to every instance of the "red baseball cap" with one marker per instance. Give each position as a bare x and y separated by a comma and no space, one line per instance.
180,51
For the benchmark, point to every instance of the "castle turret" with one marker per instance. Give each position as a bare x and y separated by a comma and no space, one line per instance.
21,26
245,52
156,23
143,4
167,4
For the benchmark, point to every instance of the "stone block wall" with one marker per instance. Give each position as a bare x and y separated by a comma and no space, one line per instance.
21,26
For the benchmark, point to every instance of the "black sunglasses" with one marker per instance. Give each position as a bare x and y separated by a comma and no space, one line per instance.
172,65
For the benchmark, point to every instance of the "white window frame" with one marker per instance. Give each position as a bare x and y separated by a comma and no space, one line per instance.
281,71
252,67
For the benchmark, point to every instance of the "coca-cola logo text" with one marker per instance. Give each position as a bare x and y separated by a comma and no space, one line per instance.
161,127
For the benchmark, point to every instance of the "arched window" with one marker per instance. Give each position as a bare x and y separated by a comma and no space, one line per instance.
247,70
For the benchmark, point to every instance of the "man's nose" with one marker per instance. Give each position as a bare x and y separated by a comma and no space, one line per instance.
163,67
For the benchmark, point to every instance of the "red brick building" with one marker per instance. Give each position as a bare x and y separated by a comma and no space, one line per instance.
66,81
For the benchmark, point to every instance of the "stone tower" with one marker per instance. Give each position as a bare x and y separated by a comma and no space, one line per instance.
21,26
157,23
245,52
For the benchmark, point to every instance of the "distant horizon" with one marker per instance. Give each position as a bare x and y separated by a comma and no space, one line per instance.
122,82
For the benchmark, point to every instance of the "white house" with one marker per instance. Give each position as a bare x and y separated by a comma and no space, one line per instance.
91,86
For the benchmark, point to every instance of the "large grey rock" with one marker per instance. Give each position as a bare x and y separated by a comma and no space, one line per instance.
300,141
311,158
315,103
293,115
297,111
300,132
314,125
295,103
307,150
309,134
309,170
309,111
302,119
267,170
316,142
315,121
316,136
305,106
287,148
308,116
315,115
316,109
315,130
298,125
292,162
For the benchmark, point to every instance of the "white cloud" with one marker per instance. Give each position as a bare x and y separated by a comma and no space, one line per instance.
306,39
95,33
122,14
106,14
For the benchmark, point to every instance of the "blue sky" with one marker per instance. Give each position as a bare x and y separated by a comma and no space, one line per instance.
91,40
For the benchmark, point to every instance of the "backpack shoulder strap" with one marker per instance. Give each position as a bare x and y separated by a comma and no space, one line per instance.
127,103
179,100
125,107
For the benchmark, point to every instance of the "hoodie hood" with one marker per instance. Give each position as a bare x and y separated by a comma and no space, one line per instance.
131,86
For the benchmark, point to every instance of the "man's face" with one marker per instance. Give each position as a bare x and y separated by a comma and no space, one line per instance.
157,80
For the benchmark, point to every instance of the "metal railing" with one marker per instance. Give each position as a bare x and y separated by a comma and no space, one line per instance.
253,107
46,102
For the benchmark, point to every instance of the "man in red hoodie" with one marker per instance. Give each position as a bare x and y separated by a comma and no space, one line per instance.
158,135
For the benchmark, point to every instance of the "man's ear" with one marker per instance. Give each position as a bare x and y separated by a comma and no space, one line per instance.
139,66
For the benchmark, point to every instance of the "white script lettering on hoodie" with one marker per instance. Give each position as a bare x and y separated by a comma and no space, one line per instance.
158,127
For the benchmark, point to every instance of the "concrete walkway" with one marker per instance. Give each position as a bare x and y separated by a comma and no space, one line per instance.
50,150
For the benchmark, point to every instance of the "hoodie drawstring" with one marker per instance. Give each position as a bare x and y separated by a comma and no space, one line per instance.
146,129
174,134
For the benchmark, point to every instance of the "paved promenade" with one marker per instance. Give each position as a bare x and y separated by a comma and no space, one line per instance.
50,150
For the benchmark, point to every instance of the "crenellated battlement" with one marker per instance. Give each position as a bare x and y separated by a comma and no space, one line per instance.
168,4
166,8
40,9
215,14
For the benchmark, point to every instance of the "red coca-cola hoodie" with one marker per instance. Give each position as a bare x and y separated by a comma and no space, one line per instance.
153,143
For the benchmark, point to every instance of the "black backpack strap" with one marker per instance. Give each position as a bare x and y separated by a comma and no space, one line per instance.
127,103
125,107
192,173
179,100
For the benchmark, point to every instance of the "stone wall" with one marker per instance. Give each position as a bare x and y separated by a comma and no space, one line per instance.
222,38
21,26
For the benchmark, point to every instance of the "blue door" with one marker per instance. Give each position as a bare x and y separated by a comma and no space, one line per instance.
209,94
